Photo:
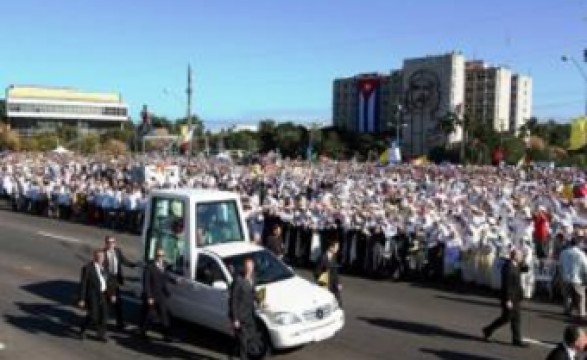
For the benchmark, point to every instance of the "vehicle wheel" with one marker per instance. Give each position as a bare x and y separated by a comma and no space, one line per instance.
266,338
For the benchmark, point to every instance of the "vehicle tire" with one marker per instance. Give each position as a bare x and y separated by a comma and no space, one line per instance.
266,338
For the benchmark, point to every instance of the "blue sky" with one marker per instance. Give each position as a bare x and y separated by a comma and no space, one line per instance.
259,59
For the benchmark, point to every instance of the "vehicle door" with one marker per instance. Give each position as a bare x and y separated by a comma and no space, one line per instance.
167,229
212,293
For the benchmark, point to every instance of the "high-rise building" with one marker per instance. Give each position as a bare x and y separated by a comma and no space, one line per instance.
427,89
521,101
432,87
488,94
366,103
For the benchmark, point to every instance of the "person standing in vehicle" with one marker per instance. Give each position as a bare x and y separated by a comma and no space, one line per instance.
242,308
155,294
326,273
113,263
92,296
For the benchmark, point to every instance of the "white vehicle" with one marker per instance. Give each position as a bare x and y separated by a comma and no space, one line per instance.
205,240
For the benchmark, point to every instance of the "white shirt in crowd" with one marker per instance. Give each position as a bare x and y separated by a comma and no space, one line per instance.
99,271
573,262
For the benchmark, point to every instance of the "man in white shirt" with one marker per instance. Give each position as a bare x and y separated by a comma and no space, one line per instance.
573,263
92,295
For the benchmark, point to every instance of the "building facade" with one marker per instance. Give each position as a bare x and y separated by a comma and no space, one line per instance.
521,101
426,89
366,103
32,109
432,87
488,94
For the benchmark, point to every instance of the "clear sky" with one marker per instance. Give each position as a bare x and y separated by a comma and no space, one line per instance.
267,58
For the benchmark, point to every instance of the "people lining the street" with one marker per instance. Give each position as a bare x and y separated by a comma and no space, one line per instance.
433,221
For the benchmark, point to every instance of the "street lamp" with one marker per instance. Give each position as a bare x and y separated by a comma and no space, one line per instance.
581,72
399,111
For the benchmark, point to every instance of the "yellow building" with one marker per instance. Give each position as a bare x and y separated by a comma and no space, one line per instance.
31,109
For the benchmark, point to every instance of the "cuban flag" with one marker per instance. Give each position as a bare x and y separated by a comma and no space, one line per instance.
368,105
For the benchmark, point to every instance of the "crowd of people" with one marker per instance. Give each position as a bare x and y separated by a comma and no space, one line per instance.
433,221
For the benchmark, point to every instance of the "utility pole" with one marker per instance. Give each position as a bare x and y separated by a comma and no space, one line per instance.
189,111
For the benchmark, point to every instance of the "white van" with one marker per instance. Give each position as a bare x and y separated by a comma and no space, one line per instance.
205,239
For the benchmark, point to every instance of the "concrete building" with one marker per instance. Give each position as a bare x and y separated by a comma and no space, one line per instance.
488,94
521,101
31,109
366,103
427,88
432,87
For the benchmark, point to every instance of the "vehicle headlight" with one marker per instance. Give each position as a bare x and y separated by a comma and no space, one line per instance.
283,318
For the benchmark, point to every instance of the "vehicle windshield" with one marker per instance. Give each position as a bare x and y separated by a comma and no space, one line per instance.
268,269
218,222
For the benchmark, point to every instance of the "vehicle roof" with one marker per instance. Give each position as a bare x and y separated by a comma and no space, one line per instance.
200,194
233,249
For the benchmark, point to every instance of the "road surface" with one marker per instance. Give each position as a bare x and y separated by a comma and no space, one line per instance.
40,261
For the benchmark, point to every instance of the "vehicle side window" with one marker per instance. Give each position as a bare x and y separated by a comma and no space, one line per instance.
167,231
208,270
218,222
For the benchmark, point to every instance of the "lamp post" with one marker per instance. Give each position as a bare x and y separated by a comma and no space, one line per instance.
398,118
581,72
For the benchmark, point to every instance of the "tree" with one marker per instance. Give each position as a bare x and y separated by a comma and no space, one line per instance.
124,135
67,133
267,135
89,143
114,147
292,140
244,139
46,141
332,145
9,139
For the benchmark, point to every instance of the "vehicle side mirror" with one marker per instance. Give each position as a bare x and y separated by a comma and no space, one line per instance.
220,285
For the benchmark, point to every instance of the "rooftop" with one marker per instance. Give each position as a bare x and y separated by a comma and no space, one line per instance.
59,93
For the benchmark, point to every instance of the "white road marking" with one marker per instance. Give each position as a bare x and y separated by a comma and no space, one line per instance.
2,346
539,343
59,237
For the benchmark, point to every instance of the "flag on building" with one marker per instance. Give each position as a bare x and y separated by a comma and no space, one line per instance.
578,137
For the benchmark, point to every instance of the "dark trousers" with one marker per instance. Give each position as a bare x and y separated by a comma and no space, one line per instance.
96,315
117,307
159,309
243,339
512,316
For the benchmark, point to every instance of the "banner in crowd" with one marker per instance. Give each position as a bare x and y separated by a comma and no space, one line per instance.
578,137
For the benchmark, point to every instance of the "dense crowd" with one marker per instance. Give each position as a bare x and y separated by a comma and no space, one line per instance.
434,220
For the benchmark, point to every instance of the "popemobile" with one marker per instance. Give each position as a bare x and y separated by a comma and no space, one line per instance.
205,240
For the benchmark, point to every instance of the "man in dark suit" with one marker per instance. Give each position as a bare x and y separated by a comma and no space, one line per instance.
574,341
113,263
274,242
92,295
242,307
155,294
511,298
326,273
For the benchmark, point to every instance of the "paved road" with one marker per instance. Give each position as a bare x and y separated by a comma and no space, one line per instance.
39,267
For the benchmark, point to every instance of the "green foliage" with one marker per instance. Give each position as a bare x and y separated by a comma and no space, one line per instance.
89,143
46,141
244,140
267,135
67,133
